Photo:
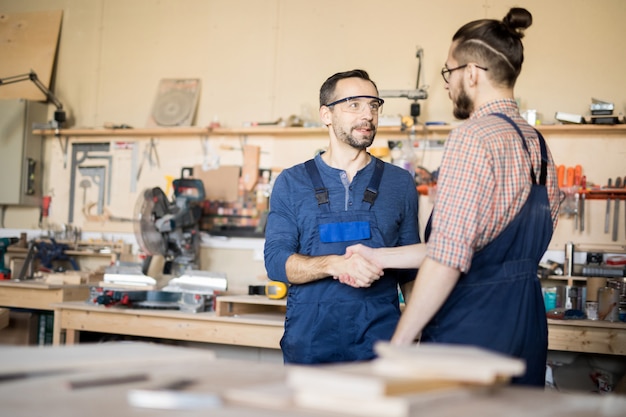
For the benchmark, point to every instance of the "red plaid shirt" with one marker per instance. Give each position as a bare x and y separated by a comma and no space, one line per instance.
484,181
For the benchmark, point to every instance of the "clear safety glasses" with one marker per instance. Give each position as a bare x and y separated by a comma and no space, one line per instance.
358,104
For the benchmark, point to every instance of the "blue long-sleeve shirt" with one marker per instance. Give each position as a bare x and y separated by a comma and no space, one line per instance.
292,221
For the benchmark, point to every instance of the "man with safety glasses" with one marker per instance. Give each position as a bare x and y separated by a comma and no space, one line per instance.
341,197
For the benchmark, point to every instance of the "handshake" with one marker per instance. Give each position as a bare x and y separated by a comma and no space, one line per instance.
359,267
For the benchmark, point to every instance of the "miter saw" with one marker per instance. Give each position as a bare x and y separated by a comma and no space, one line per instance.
167,229
171,228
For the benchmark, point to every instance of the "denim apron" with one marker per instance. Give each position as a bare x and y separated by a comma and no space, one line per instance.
328,321
498,304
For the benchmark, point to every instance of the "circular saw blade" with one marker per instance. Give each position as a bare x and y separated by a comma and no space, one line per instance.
150,239
172,108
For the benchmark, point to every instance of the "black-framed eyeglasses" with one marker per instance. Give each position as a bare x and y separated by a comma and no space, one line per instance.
445,71
356,104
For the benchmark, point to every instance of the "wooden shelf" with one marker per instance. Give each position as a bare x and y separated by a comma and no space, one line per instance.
243,305
278,131
149,132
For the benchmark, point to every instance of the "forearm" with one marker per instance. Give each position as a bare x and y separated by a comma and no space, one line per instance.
433,285
301,269
402,257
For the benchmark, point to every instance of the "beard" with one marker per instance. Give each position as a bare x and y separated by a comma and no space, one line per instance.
463,105
351,139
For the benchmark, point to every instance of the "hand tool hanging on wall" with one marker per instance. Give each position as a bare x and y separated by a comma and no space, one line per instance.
104,217
583,186
624,185
607,217
97,174
618,184
84,150
151,154
577,173
568,179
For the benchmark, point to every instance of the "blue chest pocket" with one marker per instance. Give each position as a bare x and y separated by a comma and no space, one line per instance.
344,231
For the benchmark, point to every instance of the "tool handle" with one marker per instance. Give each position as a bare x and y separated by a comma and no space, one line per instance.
560,175
570,176
578,173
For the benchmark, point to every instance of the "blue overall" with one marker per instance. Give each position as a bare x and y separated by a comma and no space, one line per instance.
498,303
328,321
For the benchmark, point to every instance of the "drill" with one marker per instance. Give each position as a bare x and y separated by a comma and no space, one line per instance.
5,242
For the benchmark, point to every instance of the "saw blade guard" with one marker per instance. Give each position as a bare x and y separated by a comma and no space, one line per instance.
151,205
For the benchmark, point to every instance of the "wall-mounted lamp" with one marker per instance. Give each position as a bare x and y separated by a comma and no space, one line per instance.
419,93
59,115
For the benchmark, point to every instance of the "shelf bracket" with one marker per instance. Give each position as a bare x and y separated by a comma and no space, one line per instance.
63,144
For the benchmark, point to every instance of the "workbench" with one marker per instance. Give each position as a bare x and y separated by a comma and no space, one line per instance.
259,322
587,336
252,329
30,320
105,379
39,295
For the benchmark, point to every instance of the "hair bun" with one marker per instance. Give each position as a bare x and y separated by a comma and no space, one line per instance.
518,19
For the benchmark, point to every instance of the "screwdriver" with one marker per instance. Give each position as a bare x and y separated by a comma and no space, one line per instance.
618,184
608,209
583,188
560,175
577,173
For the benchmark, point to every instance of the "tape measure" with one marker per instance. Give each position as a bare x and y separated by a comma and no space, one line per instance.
273,289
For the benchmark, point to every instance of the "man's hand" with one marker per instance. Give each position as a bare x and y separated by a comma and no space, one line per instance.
368,253
360,258
354,270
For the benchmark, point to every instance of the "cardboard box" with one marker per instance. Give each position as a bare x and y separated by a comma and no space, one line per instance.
221,184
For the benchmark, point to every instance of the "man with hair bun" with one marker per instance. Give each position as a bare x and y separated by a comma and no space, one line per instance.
496,209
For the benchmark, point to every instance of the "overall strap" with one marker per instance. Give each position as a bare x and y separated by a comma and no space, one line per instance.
542,144
321,192
371,192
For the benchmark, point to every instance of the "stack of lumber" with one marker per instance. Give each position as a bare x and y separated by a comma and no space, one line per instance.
401,380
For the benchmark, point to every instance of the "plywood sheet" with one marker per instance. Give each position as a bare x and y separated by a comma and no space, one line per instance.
28,41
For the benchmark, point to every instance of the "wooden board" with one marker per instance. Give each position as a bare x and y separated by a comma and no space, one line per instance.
90,356
358,381
72,277
274,396
447,362
28,41
391,406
